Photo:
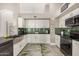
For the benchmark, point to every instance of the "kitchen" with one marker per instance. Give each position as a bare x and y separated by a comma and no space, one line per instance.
39,29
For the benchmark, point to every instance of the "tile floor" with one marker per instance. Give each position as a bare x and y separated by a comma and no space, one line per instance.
40,50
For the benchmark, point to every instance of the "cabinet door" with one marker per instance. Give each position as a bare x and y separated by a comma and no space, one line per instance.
37,23
37,38
17,47
30,38
57,40
44,38
47,38
75,48
42,23
62,22
33,38
30,23
20,22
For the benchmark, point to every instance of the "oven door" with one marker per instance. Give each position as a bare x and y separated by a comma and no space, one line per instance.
66,46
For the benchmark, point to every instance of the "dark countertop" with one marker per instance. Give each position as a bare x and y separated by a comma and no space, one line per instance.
3,40
8,38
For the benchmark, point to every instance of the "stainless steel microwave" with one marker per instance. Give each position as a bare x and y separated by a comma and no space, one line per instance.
73,21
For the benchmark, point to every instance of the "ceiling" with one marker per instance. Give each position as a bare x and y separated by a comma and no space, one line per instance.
34,8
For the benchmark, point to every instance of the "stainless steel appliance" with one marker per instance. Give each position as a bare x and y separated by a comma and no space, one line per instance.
66,42
73,33
66,46
72,22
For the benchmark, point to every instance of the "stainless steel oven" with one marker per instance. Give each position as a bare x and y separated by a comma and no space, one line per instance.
66,46
66,42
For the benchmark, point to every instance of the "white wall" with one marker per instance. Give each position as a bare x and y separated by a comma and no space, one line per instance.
14,8
10,6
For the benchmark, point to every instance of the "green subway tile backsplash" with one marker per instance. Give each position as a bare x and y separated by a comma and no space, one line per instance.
66,32
33,31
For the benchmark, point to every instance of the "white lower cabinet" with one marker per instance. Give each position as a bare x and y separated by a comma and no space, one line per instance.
75,48
38,38
29,38
45,38
57,40
17,47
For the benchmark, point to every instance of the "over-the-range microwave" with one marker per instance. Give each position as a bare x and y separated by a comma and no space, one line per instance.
72,21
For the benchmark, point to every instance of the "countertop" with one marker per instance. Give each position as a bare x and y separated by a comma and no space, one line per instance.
8,38
3,40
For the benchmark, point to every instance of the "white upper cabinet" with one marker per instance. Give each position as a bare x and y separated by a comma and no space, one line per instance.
10,6
20,22
37,23
42,23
